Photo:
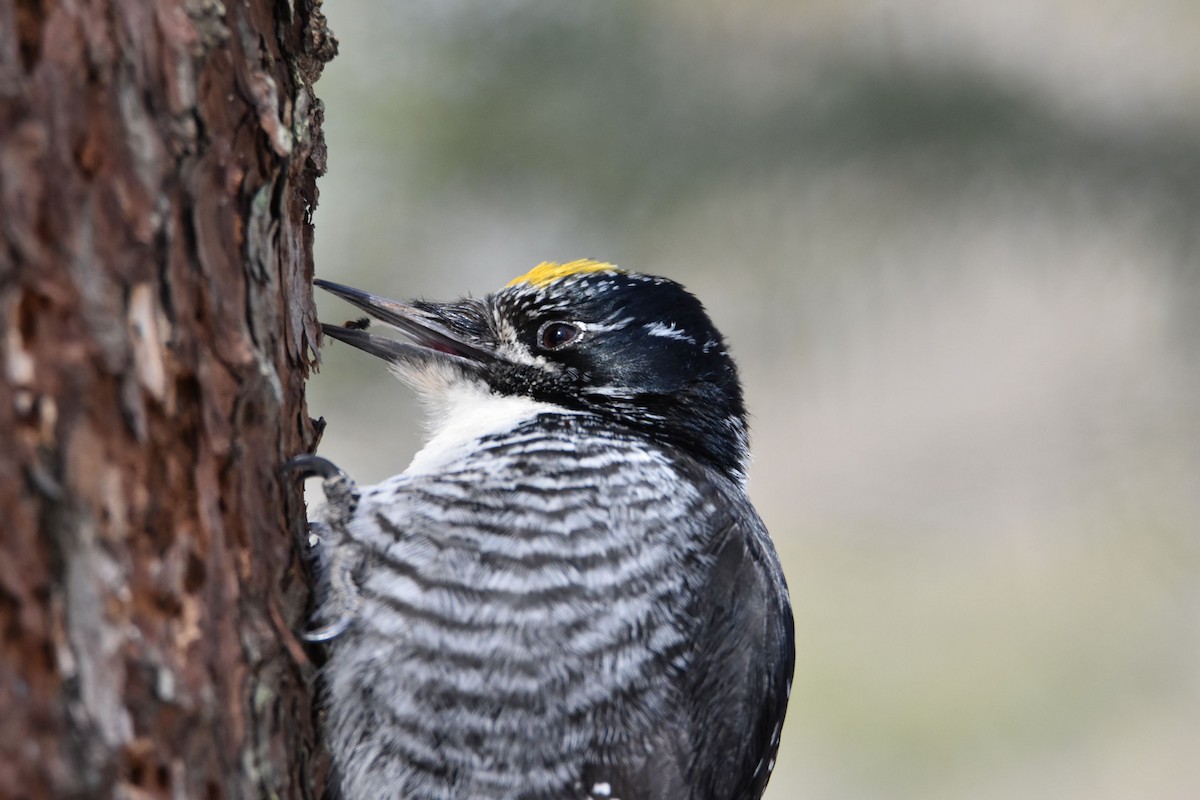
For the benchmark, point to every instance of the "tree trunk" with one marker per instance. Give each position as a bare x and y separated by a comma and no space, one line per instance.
157,174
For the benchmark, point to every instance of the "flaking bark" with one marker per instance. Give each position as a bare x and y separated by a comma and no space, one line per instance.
158,161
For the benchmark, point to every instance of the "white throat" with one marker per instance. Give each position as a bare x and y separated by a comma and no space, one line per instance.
463,413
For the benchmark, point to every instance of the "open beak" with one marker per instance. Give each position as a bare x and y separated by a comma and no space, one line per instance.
430,336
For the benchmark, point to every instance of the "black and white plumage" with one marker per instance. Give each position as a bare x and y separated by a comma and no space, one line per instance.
567,594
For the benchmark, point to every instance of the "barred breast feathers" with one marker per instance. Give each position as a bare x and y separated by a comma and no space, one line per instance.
524,571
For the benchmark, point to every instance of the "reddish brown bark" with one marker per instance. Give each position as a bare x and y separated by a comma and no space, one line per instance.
157,171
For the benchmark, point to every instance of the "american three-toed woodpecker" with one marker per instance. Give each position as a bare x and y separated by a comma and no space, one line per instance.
567,594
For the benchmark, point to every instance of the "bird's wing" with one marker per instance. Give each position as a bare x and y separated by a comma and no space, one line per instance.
719,743
740,677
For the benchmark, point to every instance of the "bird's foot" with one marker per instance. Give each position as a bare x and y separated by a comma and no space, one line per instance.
335,554
341,493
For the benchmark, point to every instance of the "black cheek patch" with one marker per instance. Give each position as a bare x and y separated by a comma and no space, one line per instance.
535,382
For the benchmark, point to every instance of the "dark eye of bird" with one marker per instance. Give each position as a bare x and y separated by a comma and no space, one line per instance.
556,335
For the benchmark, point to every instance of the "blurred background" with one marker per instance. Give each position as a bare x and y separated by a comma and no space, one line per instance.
956,249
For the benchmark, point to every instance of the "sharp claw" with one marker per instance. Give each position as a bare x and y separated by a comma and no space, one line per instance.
340,491
330,631
311,466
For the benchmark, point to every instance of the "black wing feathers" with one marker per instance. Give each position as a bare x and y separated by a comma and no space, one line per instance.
720,742
739,682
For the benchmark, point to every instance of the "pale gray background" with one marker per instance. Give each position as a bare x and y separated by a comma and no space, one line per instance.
954,246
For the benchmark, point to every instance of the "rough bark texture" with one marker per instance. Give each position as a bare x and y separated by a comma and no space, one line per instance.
157,172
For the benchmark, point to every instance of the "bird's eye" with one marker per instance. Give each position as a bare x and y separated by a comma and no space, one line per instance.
557,335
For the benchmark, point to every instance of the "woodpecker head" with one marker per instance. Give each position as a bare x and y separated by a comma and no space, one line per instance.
637,350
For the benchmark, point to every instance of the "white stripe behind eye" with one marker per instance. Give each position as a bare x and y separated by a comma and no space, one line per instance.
610,324
667,332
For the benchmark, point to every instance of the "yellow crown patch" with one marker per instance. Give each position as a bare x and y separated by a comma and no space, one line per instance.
548,272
